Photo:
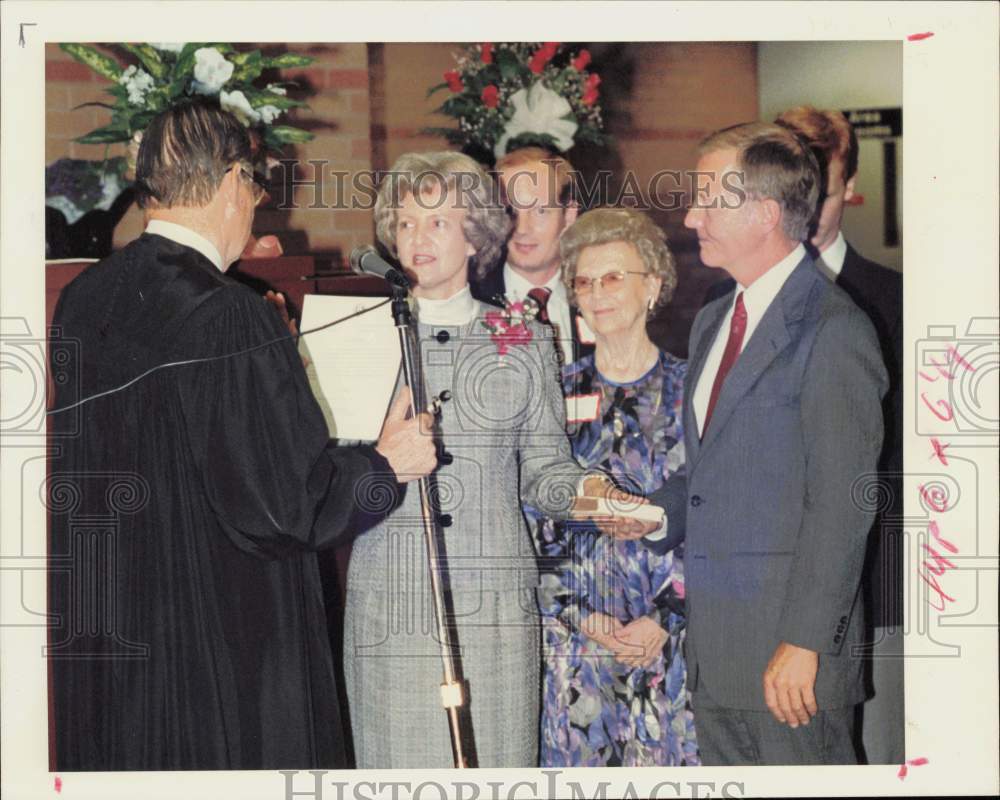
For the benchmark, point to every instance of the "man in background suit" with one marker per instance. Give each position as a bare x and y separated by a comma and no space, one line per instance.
538,187
782,418
878,291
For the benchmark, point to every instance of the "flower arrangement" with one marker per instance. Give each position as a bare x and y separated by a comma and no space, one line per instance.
510,326
167,73
507,95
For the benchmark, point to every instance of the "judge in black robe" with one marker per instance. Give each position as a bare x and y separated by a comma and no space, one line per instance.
188,626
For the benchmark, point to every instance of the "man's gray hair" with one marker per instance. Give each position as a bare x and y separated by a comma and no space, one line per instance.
776,165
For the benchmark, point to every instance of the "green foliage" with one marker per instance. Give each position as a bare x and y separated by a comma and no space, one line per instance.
285,134
150,59
160,78
288,60
97,61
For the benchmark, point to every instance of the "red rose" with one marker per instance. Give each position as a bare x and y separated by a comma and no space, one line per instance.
487,52
542,56
454,81
589,97
491,96
593,80
581,61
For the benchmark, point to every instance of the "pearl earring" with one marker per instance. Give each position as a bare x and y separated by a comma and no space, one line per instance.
649,303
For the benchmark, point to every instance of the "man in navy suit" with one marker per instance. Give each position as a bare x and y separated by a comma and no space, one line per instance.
782,424
538,187
878,291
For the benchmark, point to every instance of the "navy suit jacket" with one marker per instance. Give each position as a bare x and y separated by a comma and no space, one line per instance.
777,518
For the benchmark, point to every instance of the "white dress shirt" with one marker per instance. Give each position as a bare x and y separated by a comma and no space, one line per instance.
188,238
558,305
831,260
757,297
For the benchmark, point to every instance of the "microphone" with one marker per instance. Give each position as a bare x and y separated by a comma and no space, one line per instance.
366,261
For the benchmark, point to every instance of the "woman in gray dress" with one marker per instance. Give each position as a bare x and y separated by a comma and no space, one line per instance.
503,442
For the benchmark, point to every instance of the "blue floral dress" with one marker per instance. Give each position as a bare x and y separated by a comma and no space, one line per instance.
596,710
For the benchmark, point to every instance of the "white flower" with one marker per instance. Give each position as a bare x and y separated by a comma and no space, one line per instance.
539,110
275,89
269,114
169,47
138,83
211,70
237,103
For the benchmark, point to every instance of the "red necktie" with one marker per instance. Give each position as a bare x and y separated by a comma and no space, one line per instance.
737,327
540,294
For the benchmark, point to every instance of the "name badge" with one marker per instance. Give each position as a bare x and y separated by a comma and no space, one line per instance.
582,407
583,332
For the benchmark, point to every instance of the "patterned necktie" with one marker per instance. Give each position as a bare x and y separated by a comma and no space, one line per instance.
540,294
737,327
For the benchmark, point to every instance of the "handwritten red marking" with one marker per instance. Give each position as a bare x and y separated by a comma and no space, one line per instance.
927,377
932,526
953,353
933,583
942,370
934,497
948,414
917,37
913,762
941,564
58,784
939,451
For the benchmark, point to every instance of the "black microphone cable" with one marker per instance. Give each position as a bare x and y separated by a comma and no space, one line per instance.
207,359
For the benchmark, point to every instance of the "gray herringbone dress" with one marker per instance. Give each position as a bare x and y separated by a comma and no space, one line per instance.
503,431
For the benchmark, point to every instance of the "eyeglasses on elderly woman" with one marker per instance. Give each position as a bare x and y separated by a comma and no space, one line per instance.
610,281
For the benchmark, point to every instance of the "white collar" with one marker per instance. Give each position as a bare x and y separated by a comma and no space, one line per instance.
458,309
519,286
831,260
188,238
759,294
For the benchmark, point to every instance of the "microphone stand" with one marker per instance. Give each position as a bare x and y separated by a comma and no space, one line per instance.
452,695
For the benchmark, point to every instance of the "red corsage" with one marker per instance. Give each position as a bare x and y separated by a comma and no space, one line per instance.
509,327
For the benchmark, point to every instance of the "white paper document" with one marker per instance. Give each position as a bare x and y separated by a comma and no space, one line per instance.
353,365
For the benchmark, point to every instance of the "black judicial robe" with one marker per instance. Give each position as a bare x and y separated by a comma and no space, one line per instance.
189,629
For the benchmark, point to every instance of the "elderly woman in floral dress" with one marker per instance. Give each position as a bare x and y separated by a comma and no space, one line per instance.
613,611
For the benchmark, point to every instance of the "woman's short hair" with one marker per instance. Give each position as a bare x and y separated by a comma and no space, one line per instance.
776,165
185,153
486,225
607,225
